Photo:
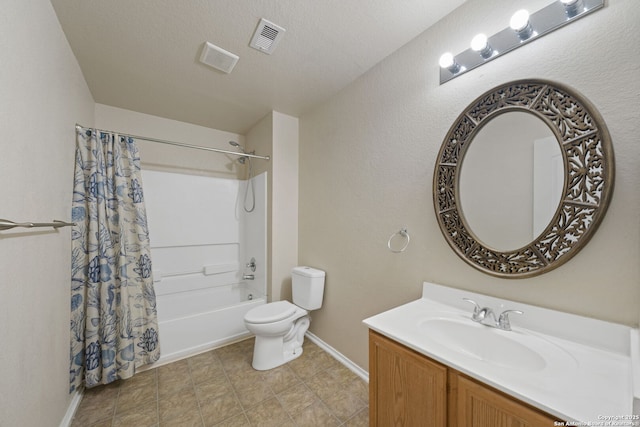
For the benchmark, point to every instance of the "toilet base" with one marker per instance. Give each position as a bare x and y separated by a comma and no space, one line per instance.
271,352
268,354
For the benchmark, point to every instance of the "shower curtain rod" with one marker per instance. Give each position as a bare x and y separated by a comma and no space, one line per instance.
179,144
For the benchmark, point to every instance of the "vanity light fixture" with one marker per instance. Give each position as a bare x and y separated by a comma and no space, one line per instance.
523,28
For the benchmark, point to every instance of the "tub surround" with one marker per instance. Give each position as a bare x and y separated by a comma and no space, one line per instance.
591,373
201,242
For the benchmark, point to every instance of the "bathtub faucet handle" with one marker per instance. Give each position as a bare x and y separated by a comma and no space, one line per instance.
252,264
248,277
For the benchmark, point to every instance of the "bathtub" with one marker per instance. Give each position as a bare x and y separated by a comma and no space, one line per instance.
195,321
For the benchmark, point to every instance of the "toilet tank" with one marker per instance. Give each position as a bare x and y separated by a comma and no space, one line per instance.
308,287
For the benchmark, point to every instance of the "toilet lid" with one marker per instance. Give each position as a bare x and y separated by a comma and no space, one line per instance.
271,312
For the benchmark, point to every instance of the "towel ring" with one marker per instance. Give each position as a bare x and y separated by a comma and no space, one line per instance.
401,233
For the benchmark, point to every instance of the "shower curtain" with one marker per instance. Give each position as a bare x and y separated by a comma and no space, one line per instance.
114,327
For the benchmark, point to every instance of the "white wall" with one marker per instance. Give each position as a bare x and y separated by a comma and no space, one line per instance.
42,95
367,158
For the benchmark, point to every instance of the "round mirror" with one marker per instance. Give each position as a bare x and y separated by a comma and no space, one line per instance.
511,180
523,178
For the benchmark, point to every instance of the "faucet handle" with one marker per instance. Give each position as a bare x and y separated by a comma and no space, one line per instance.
503,320
476,309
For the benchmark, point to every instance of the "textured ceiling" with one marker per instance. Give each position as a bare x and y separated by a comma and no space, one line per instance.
143,55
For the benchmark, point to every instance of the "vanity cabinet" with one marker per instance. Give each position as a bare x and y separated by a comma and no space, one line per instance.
409,389
405,387
472,403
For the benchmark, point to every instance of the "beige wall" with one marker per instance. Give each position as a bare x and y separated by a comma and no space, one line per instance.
367,159
167,158
284,206
42,95
276,135
260,139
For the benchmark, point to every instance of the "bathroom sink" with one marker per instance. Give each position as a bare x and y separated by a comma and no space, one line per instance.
545,354
504,349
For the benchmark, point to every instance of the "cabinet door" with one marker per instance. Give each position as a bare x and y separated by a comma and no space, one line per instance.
405,388
474,404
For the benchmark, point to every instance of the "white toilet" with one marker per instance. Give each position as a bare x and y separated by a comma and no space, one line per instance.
280,326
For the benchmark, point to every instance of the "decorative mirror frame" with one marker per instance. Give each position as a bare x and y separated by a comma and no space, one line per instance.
588,183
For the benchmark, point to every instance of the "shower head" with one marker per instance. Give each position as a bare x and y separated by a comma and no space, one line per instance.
235,144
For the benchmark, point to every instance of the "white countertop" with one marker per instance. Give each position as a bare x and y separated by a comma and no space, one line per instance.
588,379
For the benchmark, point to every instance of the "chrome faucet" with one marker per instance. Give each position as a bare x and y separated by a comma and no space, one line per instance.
503,320
252,265
480,315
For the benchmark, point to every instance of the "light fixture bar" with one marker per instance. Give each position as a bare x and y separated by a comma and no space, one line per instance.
550,18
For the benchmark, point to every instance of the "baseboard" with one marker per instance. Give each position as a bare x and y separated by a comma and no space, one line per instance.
339,357
71,410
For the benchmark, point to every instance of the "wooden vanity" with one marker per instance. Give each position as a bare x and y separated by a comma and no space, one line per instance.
409,389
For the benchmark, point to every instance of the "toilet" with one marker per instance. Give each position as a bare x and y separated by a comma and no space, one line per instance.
280,326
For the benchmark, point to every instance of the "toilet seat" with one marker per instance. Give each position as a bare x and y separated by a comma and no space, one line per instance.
271,312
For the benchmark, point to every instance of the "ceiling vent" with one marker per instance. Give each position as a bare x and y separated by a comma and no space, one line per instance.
218,58
267,36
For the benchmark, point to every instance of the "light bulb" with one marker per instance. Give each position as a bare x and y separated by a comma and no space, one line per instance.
519,20
448,61
479,42
521,25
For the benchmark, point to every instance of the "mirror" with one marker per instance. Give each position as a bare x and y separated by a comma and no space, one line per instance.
514,163
523,178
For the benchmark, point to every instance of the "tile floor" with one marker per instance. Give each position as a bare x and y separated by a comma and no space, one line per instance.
220,388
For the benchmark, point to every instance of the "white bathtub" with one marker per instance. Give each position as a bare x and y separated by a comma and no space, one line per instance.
192,322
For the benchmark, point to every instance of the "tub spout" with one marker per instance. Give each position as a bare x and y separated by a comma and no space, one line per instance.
248,277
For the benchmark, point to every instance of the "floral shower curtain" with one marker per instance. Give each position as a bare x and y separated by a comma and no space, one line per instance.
114,327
